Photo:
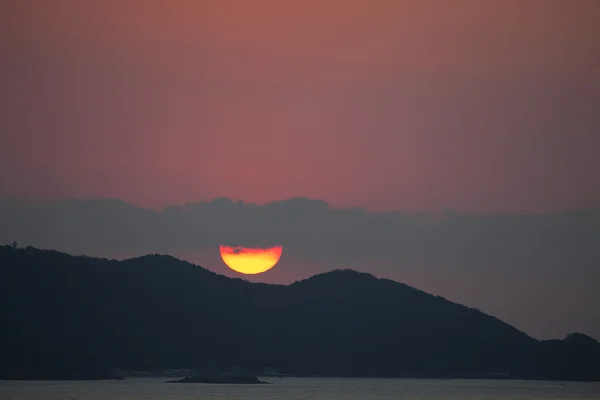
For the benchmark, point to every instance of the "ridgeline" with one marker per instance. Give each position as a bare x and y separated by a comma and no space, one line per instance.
79,316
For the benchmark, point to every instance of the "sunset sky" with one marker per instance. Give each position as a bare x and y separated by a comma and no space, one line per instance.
483,107
412,105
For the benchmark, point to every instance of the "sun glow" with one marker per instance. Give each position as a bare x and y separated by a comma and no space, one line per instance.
250,261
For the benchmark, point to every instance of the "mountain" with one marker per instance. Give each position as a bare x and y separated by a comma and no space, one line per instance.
65,313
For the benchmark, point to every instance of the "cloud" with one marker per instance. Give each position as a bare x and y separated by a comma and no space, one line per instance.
309,227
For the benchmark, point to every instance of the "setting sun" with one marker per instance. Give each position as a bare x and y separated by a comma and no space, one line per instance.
250,261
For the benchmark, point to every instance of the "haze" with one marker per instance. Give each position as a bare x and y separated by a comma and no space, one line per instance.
394,107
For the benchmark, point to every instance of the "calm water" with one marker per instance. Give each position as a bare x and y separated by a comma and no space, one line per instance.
300,388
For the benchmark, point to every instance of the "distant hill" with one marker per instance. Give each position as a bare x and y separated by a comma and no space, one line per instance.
64,313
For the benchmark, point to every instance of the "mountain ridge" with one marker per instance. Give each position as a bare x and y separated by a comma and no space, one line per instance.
156,311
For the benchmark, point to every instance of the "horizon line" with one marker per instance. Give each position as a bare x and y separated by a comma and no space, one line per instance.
441,211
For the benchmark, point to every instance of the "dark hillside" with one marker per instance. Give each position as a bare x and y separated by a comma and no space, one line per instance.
64,313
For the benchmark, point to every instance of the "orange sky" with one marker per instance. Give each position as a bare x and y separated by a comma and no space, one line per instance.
386,104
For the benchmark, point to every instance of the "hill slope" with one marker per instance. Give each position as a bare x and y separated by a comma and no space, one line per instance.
69,313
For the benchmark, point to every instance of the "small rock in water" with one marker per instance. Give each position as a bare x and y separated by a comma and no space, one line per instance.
221,378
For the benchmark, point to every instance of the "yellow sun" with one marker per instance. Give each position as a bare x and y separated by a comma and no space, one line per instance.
250,261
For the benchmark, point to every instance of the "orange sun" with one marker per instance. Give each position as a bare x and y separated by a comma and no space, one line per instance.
250,261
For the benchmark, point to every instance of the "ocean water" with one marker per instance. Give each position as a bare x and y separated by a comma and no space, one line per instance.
301,388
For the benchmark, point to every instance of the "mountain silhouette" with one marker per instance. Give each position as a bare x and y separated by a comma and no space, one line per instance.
80,314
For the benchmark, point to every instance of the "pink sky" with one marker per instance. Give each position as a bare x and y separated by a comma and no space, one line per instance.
387,104
480,106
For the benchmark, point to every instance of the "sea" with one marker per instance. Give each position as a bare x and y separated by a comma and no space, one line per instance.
301,389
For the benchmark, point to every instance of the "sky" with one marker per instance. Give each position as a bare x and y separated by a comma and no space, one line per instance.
414,106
